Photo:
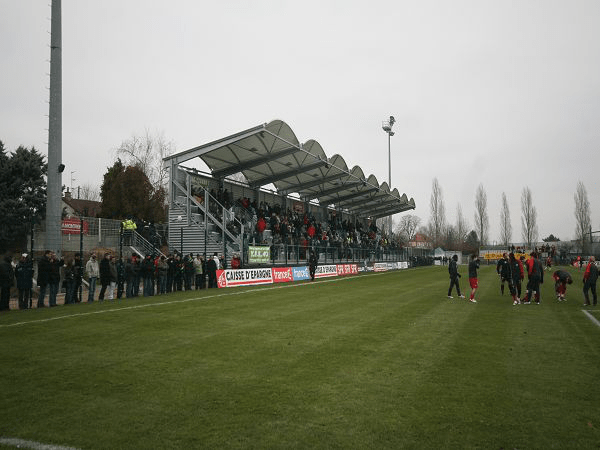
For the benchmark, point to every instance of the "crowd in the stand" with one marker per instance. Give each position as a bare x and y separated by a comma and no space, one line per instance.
273,225
114,278
268,224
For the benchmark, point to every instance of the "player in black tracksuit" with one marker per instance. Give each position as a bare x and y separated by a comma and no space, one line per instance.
312,265
454,276
516,275
503,270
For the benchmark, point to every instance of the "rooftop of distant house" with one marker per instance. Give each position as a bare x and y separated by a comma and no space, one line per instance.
88,208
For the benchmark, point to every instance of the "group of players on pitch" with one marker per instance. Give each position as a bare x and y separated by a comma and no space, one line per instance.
511,270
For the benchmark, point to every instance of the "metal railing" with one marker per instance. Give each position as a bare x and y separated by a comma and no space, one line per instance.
286,254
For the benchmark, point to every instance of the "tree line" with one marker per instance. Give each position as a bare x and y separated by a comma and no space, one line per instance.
460,236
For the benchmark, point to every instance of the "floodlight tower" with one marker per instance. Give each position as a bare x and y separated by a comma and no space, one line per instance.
55,165
387,127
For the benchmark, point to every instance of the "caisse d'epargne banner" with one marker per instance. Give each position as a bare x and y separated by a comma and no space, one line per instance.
244,277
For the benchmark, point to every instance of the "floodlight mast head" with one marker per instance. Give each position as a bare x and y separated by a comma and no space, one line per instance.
388,124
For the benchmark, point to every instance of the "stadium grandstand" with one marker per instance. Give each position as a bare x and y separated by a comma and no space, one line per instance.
293,198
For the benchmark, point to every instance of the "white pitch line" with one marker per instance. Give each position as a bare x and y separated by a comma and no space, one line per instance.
592,318
21,443
172,302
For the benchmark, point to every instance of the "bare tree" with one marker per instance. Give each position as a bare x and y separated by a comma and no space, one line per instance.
462,227
407,228
88,192
529,228
582,216
505,225
437,220
482,222
451,241
147,152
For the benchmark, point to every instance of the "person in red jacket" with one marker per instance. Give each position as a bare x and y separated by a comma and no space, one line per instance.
311,231
236,262
535,273
261,225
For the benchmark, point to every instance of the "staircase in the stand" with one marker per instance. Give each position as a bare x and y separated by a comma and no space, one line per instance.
193,234
141,246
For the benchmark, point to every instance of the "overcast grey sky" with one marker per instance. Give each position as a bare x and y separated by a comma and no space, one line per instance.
504,93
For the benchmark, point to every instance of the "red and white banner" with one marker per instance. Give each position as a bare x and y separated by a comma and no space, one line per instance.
73,226
244,277
347,269
282,274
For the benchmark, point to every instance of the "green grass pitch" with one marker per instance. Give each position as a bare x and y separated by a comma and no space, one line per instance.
380,360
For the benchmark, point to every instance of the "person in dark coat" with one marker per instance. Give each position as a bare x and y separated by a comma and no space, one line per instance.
454,276
147,270
69,282
503,270
129,277
54,278
137,270
211,269
43,277
7,277
178,275
105,276
312,265
590,276
77,278
170,273
188,271
24,275
120,278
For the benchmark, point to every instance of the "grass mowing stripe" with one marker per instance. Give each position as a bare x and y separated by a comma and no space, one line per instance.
147,305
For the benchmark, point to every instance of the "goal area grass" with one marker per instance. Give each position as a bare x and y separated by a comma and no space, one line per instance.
378,360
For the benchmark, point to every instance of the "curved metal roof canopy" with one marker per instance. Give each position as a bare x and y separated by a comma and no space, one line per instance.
271,153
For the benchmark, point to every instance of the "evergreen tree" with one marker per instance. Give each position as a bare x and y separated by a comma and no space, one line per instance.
22,195
127,192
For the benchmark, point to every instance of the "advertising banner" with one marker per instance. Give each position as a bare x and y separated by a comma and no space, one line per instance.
347,269
282,274
380,267
326,271
244,277
259,255
73,226
498,255
300,273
